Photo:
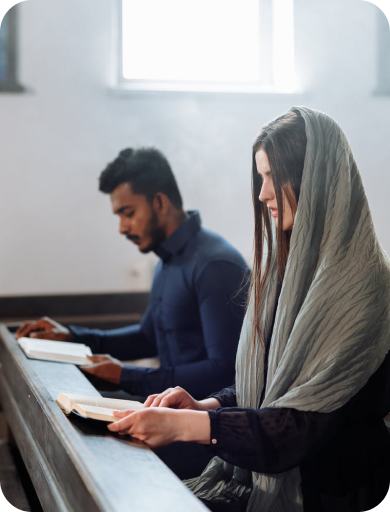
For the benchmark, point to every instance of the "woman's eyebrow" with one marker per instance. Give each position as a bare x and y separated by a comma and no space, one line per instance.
267,173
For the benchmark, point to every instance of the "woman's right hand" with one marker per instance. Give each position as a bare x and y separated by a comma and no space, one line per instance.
178,398
175,398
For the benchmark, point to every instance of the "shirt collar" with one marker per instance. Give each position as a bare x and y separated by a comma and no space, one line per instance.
180,237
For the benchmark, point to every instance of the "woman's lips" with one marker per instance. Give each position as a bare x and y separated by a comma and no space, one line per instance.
273,212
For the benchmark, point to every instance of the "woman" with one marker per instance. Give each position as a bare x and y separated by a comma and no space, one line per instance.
312,371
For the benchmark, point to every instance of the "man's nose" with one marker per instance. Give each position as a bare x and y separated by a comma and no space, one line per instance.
124,228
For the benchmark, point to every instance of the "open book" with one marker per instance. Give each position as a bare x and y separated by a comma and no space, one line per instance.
95,407
60,351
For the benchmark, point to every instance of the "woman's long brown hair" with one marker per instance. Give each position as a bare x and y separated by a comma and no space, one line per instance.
284,142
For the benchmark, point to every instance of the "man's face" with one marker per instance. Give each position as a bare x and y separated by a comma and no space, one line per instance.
139,221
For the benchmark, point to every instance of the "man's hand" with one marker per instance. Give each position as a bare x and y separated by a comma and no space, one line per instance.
105,367
160,426
45,329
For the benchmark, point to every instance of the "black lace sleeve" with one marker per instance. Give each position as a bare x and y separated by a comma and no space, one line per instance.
273,440
227,397
269,440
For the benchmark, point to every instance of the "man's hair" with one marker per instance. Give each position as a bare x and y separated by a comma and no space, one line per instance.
146,170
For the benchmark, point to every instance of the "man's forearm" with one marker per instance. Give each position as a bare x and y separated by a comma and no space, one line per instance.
124,343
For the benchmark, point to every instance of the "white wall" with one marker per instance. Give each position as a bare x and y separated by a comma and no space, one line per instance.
57,232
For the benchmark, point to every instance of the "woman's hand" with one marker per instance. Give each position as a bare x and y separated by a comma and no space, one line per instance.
175,398
178,398
161,426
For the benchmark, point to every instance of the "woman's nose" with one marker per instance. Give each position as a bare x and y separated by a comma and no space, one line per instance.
264,193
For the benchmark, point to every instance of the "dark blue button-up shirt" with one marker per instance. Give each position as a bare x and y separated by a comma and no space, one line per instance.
193,320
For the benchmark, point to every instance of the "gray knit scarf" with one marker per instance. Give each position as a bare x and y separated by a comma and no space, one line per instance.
332,326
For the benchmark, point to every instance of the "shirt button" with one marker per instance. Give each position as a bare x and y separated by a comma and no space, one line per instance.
214,441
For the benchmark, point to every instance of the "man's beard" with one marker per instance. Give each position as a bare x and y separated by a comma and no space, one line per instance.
156,233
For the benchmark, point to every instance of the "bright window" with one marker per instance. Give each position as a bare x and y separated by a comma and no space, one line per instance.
207,45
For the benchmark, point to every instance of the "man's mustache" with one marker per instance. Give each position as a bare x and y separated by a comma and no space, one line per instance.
132,238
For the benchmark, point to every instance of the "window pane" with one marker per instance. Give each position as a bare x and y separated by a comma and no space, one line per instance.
201,40
283,45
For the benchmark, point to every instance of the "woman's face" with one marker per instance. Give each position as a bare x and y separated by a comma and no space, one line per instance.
267,192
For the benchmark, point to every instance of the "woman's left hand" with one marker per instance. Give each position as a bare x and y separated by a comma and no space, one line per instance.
158,426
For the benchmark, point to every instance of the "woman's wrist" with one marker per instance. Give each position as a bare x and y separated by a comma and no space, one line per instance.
193,426
209,404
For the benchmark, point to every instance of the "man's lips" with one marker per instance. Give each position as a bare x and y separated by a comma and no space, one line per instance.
134,239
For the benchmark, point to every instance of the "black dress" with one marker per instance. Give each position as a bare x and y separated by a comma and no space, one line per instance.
343,456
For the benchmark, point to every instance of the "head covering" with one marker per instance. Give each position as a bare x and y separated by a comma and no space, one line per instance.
332,325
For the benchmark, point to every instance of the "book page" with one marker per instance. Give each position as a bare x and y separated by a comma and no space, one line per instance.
99,401
54,347
58,351
102,413
64,402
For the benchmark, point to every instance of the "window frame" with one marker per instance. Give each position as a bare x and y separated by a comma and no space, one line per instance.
175,86
383,55
11,82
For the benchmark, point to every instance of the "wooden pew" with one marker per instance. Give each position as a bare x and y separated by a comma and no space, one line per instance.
73,464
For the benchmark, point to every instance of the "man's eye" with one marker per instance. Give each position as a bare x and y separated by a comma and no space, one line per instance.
130,214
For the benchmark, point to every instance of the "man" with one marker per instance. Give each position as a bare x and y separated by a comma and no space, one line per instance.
195,313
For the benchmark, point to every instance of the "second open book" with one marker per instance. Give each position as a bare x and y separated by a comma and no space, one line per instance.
95,407
60,351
